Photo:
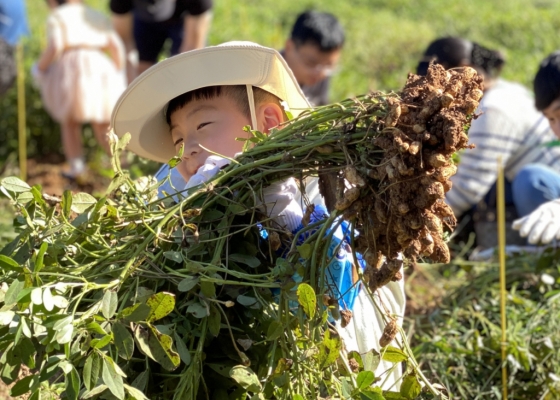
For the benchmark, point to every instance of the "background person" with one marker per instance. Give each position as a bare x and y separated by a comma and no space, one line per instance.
509,127
145,25
313,51
542,193
79,82
13,25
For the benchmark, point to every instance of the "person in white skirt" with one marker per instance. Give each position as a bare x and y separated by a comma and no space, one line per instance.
80,75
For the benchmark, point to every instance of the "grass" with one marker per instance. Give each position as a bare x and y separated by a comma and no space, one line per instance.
385,38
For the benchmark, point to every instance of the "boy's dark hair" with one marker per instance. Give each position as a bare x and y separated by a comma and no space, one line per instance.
238,93
59,2
318,28
452,52
547,81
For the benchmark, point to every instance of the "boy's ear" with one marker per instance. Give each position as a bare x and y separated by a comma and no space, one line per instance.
269,116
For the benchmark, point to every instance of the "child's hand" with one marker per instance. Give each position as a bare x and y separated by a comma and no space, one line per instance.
210,168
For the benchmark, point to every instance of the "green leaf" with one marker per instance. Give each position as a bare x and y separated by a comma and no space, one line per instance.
16,185
187,284
307,299
123,340
208,289
274,331
298,397
113,380
72,384
305,250
6,317
82,201
157,346
94,392
371,360
198,310
136,313
40,257
61,323
48,302
246,378
64,335
135,393
8,264
214,320
394,355
365,379
94,327
37,296
109,304
161,304
66,203
100,343
329,350
251,261
22,386
13,292
182,349
91,371
410,387
141,380
173,256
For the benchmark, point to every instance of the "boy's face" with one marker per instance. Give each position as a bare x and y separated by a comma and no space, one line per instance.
552,113
309,64
212,124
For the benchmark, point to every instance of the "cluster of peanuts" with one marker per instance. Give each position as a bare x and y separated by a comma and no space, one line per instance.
406,213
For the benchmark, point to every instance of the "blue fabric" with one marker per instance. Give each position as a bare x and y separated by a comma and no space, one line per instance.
340,271
534,185
171,186
13,20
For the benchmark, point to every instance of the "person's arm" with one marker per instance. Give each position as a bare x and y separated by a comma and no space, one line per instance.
122,24
495,135
116,51
47,57
195,31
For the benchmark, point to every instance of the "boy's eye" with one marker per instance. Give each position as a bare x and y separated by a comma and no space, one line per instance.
202,125
178,141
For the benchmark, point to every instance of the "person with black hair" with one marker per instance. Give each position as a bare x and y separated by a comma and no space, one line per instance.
543,189
313,51
508,126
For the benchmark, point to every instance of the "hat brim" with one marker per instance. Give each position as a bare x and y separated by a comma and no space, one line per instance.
140,109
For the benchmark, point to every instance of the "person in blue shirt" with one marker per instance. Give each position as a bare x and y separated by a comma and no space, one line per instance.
13,25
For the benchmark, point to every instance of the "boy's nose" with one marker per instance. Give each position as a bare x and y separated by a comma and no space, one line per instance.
191,149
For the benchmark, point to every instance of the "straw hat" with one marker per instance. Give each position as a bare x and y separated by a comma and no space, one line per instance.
141,108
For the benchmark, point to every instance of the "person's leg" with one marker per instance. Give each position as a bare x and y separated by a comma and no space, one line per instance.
72,146
534,185
149,38
175,33
100,130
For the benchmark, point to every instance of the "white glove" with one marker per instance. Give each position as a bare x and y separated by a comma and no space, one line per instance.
280,204
542,225
210,168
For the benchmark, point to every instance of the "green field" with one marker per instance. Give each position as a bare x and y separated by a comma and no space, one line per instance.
386,37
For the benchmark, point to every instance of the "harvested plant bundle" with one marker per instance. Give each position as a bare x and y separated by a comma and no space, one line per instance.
133,297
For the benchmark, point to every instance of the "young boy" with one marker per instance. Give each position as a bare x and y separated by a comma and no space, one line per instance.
543,224
201,100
